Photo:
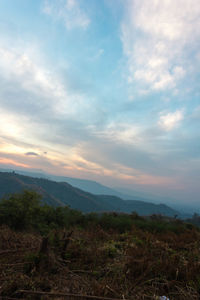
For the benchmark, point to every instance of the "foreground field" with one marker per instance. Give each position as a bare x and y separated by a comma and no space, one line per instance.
135,264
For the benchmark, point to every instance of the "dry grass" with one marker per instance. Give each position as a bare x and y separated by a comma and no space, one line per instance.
133,265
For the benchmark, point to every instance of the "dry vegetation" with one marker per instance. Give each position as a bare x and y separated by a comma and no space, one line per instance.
135,264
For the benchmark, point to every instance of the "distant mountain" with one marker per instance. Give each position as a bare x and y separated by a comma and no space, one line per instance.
141,207
53,193
89,186
144,196
62,193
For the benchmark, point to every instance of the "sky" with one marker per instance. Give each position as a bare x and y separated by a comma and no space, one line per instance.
106,90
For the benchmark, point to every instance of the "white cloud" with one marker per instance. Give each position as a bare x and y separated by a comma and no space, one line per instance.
122,132
24,73
36,78
157,37
9,125
68,11
171,120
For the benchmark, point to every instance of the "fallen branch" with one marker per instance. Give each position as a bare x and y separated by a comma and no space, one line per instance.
16,264
111,290
17,250
8,298
81,271
64,295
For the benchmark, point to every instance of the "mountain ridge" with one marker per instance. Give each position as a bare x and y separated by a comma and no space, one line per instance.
89,186
62,193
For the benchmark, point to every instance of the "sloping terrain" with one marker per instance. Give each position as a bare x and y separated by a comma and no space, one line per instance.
62,193
89,186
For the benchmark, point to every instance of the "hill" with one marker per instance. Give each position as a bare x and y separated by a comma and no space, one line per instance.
62,193
89,186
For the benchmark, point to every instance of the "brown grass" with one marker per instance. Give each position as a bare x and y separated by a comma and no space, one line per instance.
133,265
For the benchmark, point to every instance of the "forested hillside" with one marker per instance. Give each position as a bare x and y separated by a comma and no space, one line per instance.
62,193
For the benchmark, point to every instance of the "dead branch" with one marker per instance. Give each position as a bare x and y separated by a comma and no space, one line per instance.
16,251
65,295
16,264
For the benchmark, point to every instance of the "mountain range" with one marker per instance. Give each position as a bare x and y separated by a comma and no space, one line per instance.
93,187
62,193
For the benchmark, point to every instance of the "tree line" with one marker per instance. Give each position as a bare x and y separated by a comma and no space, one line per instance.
25,211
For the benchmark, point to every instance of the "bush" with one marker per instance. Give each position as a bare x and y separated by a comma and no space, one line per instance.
20,211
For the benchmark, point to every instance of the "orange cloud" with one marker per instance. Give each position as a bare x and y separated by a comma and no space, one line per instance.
10,161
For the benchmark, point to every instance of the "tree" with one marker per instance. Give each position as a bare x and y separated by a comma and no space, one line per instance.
20,210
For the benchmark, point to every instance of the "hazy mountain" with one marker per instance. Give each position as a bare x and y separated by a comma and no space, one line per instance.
90,186
99,189
53,193
62,193
144,196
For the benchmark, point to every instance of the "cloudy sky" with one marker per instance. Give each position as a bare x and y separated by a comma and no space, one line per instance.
103,89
